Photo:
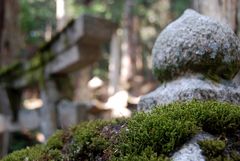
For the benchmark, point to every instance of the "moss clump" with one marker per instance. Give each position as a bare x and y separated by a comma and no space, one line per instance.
221,150
218,150
156,130
212,148
235,155
145,136
56,141
87,141
146,155
33,153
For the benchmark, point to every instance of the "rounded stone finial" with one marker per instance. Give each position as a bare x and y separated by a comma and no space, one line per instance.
196,44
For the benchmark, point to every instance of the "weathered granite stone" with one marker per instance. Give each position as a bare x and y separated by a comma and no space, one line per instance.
198,44
197,57
188,88
191,150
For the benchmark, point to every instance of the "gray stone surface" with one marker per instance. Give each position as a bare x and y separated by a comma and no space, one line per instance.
191,150
197,58
71,113
188,88
236,79
67,113
29,119
74,58
5,106
3,123
49,96
196,43
85,29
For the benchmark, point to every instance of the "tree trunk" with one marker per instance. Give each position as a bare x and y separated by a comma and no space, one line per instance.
1,21
137,48
10,39
10,43
128,55
222,10
114,65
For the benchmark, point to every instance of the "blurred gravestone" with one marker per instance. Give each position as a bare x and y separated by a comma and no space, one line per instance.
49,96
70,113
29,119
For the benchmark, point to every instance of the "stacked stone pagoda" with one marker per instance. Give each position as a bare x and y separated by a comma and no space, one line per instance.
194,57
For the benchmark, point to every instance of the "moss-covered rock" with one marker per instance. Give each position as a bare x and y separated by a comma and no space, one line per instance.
196,44
146,136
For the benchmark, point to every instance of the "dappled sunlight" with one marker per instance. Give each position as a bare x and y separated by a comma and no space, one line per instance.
133,100
60,10
33,103
95,82
118,104
40,137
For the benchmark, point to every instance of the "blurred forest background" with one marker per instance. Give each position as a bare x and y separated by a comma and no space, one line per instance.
113,83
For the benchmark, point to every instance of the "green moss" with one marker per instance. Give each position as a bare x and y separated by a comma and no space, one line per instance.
216,150
10,72
145,136
52,155
163,74
235,155
160,132
34,69
6,69
87,141
33,153
214,69
56,141
146,155
212,148
30,72
39,60
169,126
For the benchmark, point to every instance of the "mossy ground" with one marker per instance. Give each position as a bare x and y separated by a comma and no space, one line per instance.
146,136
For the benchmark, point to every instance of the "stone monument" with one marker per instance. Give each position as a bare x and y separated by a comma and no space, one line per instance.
195,57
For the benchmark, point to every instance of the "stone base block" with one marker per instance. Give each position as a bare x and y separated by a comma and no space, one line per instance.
190,88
